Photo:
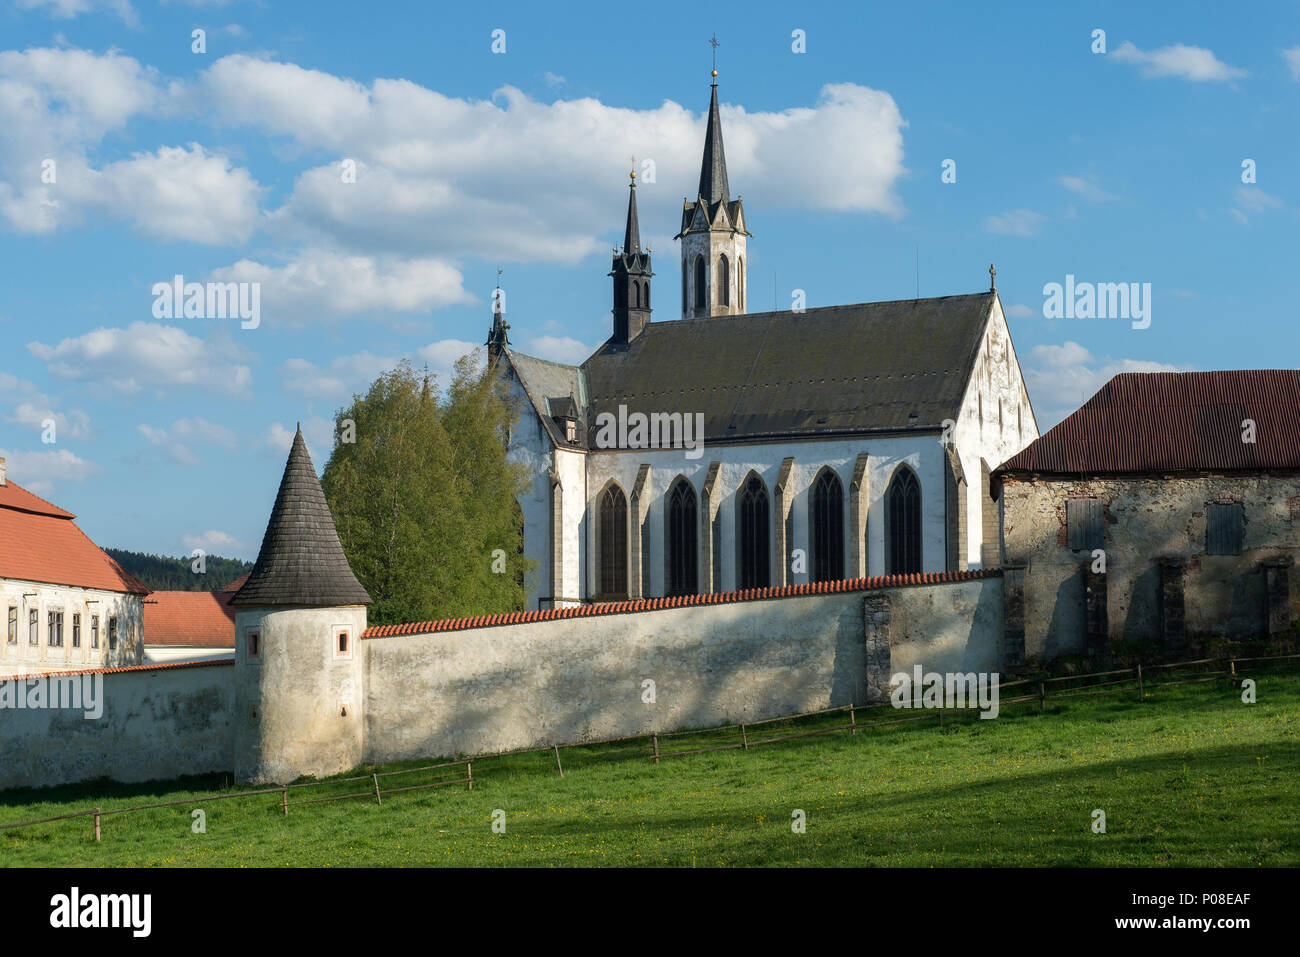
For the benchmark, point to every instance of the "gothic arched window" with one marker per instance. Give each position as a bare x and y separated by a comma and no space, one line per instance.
724,281
613,543
827,524
682,539
753,557
636,294
903,512
701,288
740,283
645,288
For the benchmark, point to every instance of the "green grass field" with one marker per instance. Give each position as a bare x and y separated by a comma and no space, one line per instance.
1190,777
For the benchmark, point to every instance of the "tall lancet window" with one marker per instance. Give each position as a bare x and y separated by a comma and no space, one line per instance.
754,535
903,511
740,283
827,527
683,542
613,543
724,281
701,285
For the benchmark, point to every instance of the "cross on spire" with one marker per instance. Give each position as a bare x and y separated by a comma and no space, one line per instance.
714,43
993,278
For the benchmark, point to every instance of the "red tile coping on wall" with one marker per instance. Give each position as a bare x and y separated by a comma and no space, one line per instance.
684,601
169,666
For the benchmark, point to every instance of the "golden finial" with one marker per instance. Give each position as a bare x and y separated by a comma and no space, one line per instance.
633,173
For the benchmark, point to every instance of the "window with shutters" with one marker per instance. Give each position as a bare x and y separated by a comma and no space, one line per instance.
1224,527
1083,520
76,630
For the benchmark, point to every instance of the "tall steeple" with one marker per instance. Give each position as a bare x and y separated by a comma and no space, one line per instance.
631,273
713,231
499,335
713,171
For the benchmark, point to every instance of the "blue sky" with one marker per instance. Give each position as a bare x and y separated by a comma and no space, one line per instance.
1123,166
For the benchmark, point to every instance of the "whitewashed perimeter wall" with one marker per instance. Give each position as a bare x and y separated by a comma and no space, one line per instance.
568,680
157,724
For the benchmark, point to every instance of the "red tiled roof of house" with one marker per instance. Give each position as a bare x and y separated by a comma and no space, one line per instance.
191,619
235,585
680,601
43,544
1175,421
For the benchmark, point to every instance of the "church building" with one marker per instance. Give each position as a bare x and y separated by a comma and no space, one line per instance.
732,450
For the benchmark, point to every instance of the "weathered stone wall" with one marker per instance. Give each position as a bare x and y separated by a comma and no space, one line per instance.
574,679
157,724
1146,519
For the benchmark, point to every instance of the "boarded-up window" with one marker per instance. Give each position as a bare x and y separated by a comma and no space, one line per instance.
1223,529
1083,522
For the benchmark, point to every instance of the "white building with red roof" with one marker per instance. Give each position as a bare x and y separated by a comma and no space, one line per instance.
190,625
67,605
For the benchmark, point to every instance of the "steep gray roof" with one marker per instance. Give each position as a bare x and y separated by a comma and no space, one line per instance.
301,561
548,385
882,366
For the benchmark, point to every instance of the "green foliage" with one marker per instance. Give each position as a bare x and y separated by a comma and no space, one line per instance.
425,493
1190,778
162,573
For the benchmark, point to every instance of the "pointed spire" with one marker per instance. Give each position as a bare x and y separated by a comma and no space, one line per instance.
632,235
301,561
713,171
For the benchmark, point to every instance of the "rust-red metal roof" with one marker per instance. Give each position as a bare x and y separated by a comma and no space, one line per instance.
1176,421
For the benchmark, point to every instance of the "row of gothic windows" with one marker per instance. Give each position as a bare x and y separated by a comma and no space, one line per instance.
753,533
724,282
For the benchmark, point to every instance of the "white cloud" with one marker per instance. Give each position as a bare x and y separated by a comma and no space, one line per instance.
1186,62
38,471
173,440
318,433
213,541
321,283
1017,222
1021,311
343,376
514,177
442,356
36,413
1252,200
559,349
67,9
1061,378
553,79
148,354
1292,57
1087,187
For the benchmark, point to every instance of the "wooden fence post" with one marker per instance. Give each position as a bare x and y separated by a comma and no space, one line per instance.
557,759
97,824
1042,697
378,797
853,721
1141,693
284,799
941,717
654,739
469,773
1232,673
744,739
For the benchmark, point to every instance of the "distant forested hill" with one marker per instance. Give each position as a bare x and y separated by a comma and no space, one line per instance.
174,574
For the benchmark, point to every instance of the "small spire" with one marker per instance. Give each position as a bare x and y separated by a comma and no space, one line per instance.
632,234
713,169
993,278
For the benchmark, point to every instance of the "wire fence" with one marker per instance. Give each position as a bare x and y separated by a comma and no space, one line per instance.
660,746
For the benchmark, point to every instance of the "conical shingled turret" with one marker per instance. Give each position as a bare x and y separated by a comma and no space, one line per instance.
301,561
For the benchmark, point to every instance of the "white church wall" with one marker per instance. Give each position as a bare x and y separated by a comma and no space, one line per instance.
572,469
996,377
923,453
576,679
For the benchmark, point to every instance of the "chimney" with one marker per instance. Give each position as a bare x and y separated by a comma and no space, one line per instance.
2,471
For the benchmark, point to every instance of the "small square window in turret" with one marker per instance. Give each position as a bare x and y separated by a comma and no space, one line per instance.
253,644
